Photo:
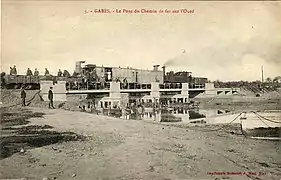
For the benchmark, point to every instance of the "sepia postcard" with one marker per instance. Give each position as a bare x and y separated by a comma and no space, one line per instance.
140,90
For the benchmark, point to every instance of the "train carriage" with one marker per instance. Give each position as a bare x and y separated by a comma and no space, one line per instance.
17,81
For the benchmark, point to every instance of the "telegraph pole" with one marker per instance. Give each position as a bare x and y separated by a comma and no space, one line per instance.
262,74
262,77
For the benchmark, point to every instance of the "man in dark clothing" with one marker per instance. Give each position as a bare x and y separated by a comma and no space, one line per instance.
75,74
29,72
36,72
3,80
59,73
47,72
23,96
125,83
50,97
11,71
66,73
15,70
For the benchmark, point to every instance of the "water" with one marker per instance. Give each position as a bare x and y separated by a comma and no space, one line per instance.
197,116
173,115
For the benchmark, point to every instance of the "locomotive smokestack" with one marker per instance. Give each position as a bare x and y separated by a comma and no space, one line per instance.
164,73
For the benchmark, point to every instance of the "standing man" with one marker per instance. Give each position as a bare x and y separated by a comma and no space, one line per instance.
66,74
11,71
23,96
14,70
125,85
50,97
29,72
36,72
59,73
47,72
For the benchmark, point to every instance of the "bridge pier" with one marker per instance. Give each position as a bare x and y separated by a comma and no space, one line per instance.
114,99
210,89
59,90
119,98
155,92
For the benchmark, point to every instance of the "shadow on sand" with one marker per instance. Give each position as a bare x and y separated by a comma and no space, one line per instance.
15,136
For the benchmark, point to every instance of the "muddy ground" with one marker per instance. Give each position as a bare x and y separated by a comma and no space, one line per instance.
57,144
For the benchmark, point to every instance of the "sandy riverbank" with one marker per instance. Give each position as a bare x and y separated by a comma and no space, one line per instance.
241,103
112,148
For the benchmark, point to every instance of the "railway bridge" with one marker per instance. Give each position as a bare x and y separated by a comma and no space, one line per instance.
116,93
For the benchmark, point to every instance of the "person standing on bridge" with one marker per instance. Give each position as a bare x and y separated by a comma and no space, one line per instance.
23,96
15,70
47,73
36,72
66,74
50,97
11,71
29,72
59,73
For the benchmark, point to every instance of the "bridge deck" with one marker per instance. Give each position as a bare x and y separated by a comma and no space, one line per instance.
92,91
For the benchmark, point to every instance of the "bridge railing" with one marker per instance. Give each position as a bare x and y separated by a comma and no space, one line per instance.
88,86
134,86
98,86
196,86
170,86
106,86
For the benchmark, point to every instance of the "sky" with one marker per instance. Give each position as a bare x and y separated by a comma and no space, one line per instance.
221,40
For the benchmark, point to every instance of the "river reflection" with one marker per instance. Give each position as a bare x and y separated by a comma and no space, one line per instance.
193,116
183,115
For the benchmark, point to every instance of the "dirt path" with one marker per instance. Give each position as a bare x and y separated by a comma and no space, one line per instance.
129,149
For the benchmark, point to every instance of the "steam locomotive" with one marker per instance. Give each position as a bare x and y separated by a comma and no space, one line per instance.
185,77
